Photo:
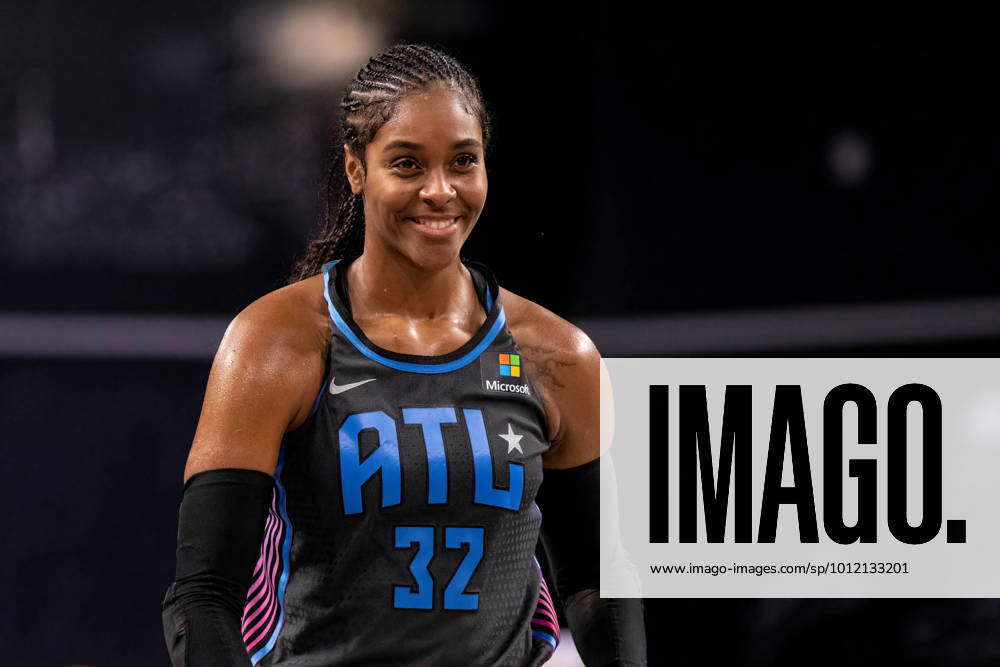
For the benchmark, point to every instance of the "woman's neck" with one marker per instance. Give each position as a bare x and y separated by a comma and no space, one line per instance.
380,285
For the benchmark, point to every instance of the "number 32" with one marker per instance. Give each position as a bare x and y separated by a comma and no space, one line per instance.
405,597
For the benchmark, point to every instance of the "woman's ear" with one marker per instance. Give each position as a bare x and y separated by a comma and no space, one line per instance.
354,169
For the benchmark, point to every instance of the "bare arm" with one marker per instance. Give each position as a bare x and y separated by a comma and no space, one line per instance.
262,383
263,380
566,369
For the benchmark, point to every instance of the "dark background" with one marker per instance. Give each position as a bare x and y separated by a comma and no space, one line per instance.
651,169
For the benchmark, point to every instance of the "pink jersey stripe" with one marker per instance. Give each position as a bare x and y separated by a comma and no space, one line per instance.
263,625
269,526
259,568
544,604
260,587
266,590
260,630
265,583
544,613
253,635
271,613
271,529
546,624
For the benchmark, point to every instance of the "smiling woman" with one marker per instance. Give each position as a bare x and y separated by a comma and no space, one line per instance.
426,182
363,481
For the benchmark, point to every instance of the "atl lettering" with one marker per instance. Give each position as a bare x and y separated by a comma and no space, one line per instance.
385,459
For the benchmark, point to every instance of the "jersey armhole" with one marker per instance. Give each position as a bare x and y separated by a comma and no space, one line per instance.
319,395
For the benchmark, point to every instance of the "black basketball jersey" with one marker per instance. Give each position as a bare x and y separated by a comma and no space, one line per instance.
403,525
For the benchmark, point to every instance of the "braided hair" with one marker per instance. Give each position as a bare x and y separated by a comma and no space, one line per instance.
368,103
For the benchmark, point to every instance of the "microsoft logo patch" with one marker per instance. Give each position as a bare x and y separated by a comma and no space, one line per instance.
502,374
510,365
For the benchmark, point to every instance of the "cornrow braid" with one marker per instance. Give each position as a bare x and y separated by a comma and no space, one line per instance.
368,103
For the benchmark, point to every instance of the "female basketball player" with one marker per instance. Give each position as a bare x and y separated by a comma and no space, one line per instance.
361,487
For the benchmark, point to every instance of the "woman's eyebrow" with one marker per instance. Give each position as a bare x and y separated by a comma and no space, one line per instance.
409,145
399,143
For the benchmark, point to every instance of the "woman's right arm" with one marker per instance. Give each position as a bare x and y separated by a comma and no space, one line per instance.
262,384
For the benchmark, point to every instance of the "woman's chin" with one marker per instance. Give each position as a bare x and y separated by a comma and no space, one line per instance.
436,259
434,255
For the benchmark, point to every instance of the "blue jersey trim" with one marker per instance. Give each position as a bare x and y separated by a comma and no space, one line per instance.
408,366
286,547
546,636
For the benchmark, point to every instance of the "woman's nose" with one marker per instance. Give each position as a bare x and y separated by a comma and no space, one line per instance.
437,189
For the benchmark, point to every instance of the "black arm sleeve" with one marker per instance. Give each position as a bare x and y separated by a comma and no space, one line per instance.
220,528
607,631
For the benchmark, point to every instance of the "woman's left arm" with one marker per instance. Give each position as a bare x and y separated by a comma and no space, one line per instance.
607,631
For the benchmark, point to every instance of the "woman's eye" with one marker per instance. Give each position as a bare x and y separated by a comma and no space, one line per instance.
405,164
466,160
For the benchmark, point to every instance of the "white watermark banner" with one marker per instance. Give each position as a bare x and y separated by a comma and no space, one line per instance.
800,478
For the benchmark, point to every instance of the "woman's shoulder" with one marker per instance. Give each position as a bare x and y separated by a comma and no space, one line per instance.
537,327
293,317
565,367
278,343
265,375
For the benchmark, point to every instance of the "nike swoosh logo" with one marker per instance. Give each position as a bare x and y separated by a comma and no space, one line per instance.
341,388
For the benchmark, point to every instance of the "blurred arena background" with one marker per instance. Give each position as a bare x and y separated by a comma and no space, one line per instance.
737,182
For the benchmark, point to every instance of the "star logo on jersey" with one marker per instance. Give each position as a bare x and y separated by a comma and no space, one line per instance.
513,440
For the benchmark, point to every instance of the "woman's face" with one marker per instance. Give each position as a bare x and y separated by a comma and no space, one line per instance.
425,183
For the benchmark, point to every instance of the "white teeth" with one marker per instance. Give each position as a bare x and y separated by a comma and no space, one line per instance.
436,224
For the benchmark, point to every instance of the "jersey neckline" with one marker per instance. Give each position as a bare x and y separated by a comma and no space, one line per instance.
342,319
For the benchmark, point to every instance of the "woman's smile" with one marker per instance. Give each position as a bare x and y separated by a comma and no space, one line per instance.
423,181
436,226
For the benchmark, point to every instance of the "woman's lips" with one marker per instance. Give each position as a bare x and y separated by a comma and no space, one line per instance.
435,227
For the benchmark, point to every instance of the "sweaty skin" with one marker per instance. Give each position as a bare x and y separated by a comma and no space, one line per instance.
423,183
271,361
409,293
